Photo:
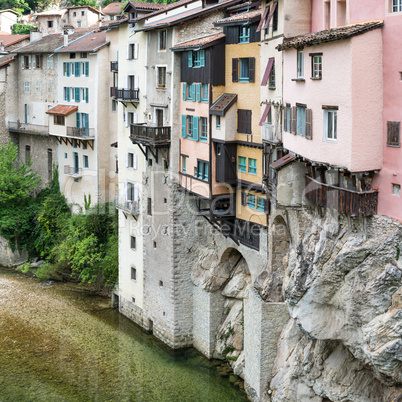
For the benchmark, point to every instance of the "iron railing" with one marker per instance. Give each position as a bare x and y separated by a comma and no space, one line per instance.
72,171
130,95
28,127
80,132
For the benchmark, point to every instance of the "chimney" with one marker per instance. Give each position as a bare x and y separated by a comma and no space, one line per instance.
34,36
67,30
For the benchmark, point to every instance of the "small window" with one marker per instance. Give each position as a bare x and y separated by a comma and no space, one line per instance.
218,122
244,121
133,242
27,153
204,125
27,62
133,274
133,300
86,161
244,70
72,55
161,283
242,164
74,14
150,162
252,166
300,64
149,206
183,163
202,170
130,160
26,86
196,58
114,105
316,69
161,71
50,24
65,155
154,244
82,13
393,133
83,55
59,120
38,61
396,189
131,51
251,201
271,82
396,6
330,125
162,40
204,92
165,200
244,34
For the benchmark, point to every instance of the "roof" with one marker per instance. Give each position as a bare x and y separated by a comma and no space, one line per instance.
113,9
115,23
50,12
203,42
249,16
49,43
285,160
145,6
9,40
9,11
7,59
166,8
241,5
223,104
94,10
87,43
330,35
62,110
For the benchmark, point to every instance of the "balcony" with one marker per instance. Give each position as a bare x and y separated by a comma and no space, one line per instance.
128,95
86,133
271,133
148,135
131,207
349,202
27,128
114,66
72,171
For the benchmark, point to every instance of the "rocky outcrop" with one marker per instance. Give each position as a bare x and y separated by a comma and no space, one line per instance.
343,288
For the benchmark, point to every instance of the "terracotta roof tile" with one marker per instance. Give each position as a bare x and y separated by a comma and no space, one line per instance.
62,110
113,9
88,43
330,35
223,104
9,40
199,42
94,10
250,15
285,160
147,6
9,58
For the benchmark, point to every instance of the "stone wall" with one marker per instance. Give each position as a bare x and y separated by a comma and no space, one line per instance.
8,258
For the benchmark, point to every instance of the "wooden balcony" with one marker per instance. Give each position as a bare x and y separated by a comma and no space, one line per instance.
127,95
114,66
148,135
27,128
349,202
271,133
72,171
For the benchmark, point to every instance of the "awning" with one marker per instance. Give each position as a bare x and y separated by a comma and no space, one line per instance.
62,110
265,114
265,78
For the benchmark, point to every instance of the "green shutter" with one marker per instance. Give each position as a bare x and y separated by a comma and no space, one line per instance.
202,58
198,92
77,94
77,69
86,68
183,126
86,95
206,171
190,58
193,92
68,94
78,120
196,128
68,69
184,90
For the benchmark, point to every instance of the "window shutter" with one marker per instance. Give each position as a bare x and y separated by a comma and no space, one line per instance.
247,122
393,133
77,94
243,198
267,73
128,52
309,126
198,92
28,114
202,58
196,128
86,120
136,192
235,67
251,69
77,69
127,160
135,161
184,90
126,82
126,118
29,61
136,82
68,69
193,92
264,16
33,62
86,69
136,51
78,120
293,126
68,94
183,125
285,119
86,95
190,58
135,118
240,121
22,62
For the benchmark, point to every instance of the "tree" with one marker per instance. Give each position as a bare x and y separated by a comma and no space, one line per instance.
17,5
91,3
22,29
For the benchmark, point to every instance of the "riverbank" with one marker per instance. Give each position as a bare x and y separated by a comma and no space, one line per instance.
59,341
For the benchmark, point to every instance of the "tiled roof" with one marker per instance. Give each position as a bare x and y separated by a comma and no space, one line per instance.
223,104
199,42
237,6
9,58
330,35
166,8
9,40
9,11
50,43
50,12
94,10
88,43
248,16
117,22
62,110
147,6
113,8
285,160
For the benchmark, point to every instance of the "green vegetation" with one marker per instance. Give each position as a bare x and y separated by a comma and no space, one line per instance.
22,29
82,246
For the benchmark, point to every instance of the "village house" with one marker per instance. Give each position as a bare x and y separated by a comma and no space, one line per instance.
7,19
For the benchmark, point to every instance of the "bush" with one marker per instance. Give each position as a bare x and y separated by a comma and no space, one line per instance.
22,29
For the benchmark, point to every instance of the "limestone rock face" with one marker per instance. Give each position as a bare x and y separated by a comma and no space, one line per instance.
343,287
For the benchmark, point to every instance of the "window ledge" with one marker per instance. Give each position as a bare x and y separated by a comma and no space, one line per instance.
393,146
271,87
316,79
298,79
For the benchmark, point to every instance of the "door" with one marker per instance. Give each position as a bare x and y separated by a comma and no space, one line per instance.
159,117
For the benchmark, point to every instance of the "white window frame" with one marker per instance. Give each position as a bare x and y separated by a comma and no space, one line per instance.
316,70
333,115
300,64
27,86
157,75
85,156
37,87
50,63
396,6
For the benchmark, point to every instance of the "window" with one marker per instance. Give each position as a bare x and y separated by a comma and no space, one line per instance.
132,49
37,87
396,6
66,94
189,92
218,122
260,204
202,170
50,24
162,40
38,61
149,206
59,120
244,121
26,86
252,166
154,244
85,161
330,125
396,189
300,64
131,160
49,87
84,69
287,117
160,283
83,55
301,120
49,163
203,135
161,71
243,70
50,63
244,34
82,13
271,84
251,201
26,62
114,105
72,55
130,191
74,14
27,153
65,155
190,127
316,66
75,144
204,92
196,58
242,164
183,163
275,19
133,242
393,133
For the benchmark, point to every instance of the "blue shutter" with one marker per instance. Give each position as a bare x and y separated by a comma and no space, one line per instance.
68,94
86,68
184,90
206,171
77,94
68,69
202,58
78,120
198,92
193,92
190,58
77,69
86,95
183,126
196,123
86,124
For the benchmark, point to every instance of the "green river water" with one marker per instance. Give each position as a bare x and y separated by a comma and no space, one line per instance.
58,342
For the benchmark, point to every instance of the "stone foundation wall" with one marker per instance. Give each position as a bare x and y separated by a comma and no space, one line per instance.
134,313
8,258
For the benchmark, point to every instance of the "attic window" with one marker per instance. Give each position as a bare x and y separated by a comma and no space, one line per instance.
72,55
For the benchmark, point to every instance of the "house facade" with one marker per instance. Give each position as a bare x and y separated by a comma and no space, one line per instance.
7,19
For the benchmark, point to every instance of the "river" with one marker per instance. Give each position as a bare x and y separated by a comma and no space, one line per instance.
59,342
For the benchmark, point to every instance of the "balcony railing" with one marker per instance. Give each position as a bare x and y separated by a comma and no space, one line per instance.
132,207
28,128
114,66
348,202
80,132
271,133
72,171
149,135
129,95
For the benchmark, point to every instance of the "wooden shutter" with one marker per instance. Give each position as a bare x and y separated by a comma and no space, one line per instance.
67,69
393,133
198,92
184,90
33,62
22,62
309,124
135,161
240,121
136,82
86,95
271,13
267,73
86,69
243,198
190,58
128,52
248,122
202,58
77,69
235,70
183,125
285,119
264,16
293,117
196,126
29,61
251,69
